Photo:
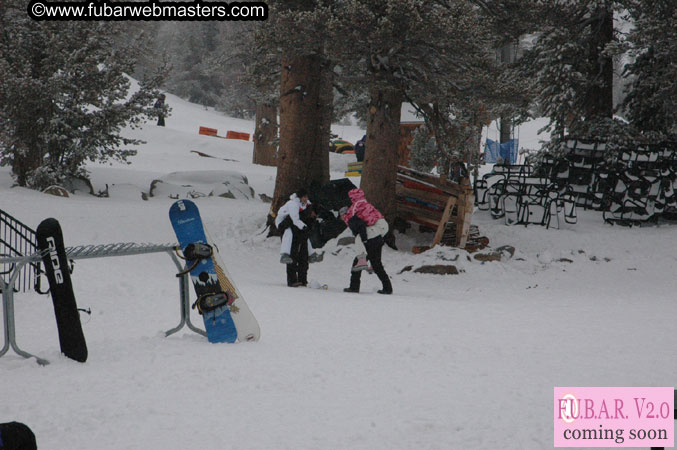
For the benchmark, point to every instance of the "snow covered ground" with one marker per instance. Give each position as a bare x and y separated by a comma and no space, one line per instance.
447,362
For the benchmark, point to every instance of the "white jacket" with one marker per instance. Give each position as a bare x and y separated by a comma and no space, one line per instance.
292,209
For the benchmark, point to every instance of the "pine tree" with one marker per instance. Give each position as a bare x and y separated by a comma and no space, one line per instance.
424,153
298,31
241,65
651,102
402,49
265,135
194,75
446,77
570,66
207,60
64,96
508,21
259,85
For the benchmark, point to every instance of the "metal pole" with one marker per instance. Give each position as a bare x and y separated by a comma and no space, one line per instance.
8,316
184,296
181,299
5,319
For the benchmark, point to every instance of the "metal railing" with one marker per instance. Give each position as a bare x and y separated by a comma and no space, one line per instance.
18,240
19,262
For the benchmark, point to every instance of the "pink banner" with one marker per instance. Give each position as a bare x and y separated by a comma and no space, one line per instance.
614,417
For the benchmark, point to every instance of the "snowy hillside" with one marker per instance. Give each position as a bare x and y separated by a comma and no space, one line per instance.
447,362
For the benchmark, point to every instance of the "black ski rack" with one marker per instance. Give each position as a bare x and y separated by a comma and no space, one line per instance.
18,240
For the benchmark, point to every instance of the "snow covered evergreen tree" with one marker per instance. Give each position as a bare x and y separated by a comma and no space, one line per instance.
403,49
509,21
570,66
651,101
64,96
206,62
260,85
235,61
297,33
424,153
479,86
193,47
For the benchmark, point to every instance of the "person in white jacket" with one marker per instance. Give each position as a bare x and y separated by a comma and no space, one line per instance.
288,216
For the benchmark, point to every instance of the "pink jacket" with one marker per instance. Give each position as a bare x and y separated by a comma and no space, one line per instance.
362,208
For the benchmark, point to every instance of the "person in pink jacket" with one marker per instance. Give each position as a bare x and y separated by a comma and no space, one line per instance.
365,220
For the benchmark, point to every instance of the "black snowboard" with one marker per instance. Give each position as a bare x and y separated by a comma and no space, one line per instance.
332,195
71,337
326,198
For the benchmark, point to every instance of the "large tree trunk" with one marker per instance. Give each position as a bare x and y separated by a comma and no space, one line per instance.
505,129
600,99
379,174
299,125
265,135
319,160
24,163
507,53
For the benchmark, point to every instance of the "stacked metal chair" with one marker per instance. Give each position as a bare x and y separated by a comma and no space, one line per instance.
644,186
630,186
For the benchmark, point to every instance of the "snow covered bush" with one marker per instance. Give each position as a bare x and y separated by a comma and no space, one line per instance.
64,96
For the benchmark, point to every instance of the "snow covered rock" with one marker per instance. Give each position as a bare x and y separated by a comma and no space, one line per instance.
205,183
79,185
438,269
502,253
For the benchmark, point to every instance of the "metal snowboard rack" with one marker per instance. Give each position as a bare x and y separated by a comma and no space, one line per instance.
87,252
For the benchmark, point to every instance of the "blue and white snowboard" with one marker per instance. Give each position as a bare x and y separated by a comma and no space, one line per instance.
231,321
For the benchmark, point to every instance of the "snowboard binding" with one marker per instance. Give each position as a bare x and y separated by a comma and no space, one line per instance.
209,302
194,252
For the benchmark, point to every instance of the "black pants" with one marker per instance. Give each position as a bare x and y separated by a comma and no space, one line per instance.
374,247
297,272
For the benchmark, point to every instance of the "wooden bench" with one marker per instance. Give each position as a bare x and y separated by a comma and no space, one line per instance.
435,203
